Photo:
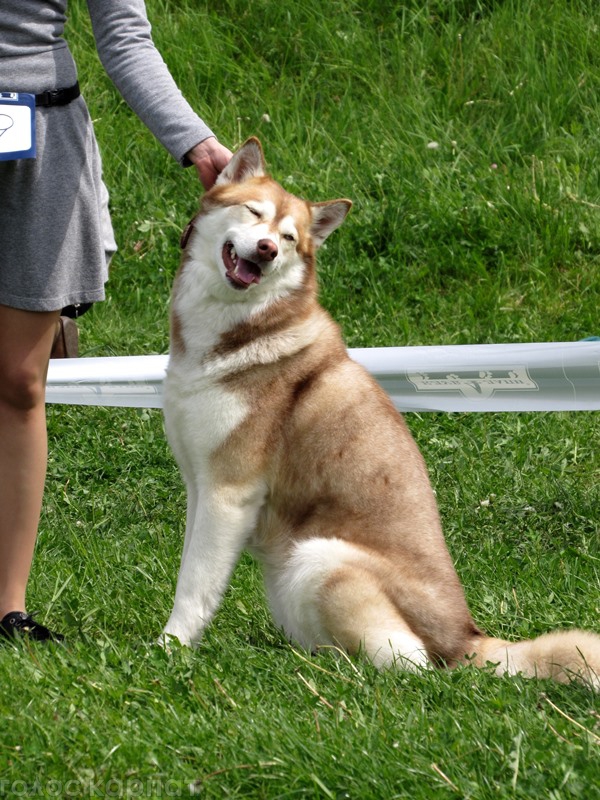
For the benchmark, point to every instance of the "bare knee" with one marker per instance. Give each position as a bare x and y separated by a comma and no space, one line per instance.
22,387
25,343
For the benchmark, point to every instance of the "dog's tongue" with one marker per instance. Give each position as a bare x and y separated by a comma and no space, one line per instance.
247,271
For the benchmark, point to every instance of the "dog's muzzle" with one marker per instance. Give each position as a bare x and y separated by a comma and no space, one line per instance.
243,272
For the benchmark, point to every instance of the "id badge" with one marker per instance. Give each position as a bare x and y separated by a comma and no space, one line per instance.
17,125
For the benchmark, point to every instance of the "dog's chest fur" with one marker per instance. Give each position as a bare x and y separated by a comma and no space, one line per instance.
229,392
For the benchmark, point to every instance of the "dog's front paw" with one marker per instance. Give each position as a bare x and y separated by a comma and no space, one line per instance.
178,635
169,642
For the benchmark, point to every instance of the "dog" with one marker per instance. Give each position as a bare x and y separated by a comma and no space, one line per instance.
291,450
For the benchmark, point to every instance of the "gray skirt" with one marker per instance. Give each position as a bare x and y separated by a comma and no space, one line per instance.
56,237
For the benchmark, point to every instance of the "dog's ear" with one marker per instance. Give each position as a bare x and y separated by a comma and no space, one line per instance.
247,162
326,217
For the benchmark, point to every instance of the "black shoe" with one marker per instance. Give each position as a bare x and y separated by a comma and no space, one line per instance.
18,623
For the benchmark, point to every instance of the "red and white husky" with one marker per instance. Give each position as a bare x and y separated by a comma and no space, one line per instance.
291,450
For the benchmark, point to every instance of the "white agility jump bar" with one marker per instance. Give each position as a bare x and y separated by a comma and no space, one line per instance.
558,376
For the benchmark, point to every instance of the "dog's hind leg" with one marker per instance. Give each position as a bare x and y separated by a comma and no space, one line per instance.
327,596
360,617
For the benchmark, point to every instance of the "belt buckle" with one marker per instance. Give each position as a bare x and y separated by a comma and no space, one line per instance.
48,98
57,97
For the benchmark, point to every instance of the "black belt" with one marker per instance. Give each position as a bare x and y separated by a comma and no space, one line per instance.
57,97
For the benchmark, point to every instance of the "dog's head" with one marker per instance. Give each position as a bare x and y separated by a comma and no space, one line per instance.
253,233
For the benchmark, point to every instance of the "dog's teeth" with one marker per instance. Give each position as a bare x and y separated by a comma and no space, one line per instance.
233,254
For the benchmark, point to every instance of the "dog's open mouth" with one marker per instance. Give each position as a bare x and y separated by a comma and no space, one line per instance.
240,272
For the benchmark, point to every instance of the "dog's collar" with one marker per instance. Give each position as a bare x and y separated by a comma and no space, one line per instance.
185,234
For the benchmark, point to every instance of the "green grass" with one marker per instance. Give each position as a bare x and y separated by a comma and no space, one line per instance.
492,236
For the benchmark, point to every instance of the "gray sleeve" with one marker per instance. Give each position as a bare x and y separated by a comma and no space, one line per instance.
124,42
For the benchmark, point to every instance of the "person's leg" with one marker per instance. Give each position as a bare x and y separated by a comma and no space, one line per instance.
25,342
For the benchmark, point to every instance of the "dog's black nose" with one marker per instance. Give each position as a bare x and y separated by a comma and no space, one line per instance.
267,249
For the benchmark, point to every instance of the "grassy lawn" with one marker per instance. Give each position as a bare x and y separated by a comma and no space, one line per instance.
467,135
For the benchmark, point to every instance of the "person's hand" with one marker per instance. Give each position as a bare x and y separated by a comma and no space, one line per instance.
209,157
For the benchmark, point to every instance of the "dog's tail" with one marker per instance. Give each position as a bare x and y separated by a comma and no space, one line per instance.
563,656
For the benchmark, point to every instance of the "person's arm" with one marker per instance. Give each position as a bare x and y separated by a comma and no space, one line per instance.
125,47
